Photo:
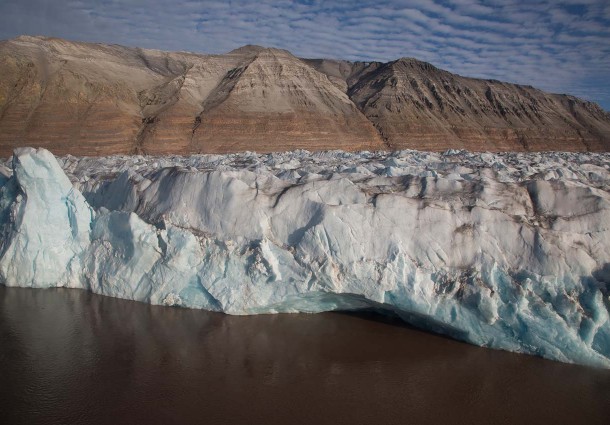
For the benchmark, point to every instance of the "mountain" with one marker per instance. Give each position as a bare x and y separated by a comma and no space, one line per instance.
96,99
415,105
275,101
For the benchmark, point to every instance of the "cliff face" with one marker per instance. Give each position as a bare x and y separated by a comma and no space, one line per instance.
415,105
276,102
92,99
73,97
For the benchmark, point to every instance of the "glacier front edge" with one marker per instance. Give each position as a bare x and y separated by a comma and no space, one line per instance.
506,251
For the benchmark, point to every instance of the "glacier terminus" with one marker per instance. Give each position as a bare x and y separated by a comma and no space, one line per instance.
509,251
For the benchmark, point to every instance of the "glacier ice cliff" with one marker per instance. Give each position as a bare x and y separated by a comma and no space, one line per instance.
510,251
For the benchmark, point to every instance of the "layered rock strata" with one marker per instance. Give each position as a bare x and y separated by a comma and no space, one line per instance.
95,99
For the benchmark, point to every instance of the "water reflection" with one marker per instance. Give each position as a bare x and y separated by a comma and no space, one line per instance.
68,356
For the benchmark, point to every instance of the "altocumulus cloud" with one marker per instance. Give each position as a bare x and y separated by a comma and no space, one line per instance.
559,46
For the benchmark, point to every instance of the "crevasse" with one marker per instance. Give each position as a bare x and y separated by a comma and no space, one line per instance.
509,251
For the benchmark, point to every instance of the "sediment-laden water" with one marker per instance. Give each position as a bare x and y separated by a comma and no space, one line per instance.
72,357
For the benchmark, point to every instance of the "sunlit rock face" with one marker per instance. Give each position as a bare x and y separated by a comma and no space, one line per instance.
99,99
509,251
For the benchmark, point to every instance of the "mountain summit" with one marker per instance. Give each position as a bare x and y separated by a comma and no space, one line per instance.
96,99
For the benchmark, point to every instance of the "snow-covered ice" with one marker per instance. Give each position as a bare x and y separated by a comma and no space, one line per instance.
509,251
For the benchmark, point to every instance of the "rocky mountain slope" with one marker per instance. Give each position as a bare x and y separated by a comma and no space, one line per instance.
94,99
415,105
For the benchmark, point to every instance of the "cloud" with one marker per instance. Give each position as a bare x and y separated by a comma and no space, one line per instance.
559,46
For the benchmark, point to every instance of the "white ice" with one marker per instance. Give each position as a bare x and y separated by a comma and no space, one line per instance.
509,251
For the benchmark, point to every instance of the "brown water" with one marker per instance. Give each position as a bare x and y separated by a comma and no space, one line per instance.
71,357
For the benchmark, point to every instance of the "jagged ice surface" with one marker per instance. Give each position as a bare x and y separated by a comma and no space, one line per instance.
509,251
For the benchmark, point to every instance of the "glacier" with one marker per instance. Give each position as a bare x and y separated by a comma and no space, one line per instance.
508,251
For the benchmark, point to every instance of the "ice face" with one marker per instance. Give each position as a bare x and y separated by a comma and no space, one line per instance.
509,251
46,224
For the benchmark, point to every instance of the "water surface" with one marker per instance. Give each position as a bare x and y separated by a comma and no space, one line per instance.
71,357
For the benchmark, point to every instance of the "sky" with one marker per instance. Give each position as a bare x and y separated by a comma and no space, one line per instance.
559,46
